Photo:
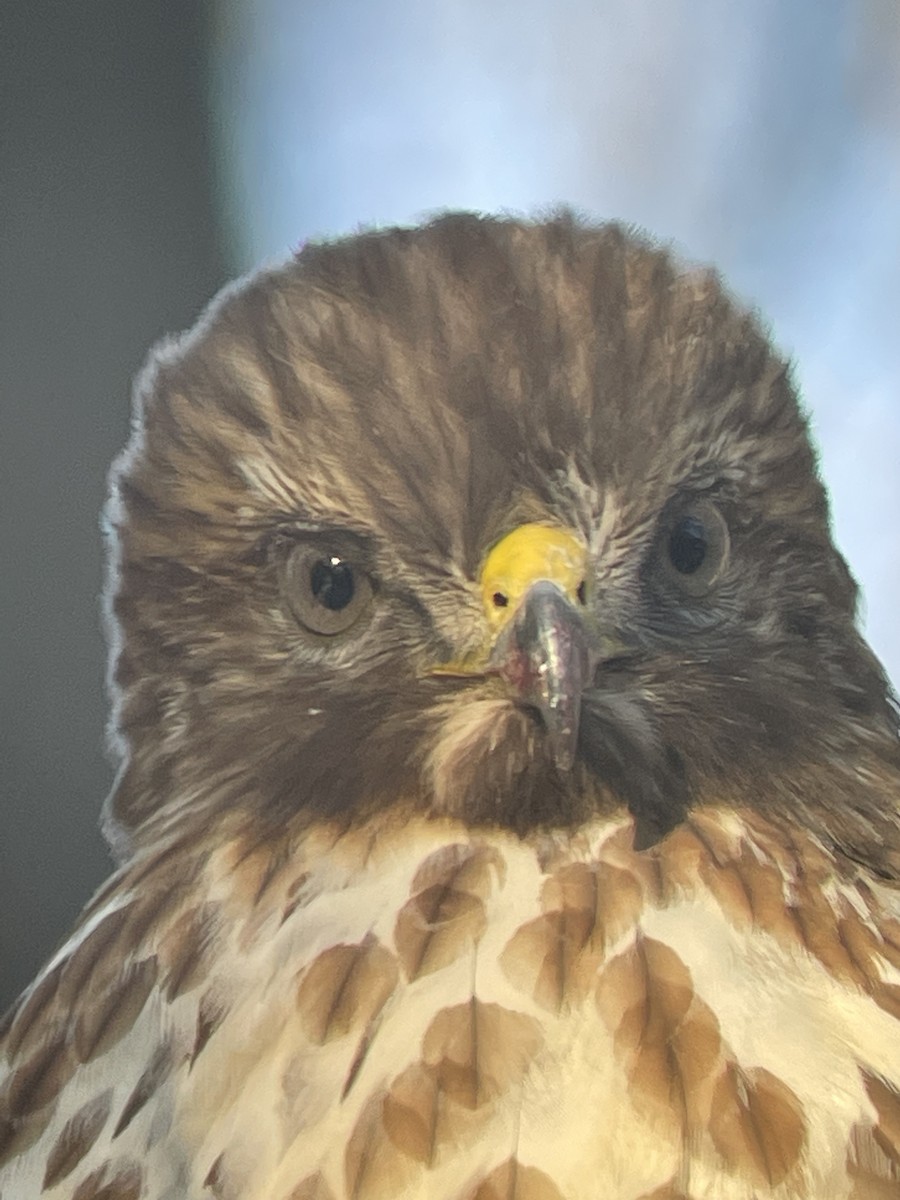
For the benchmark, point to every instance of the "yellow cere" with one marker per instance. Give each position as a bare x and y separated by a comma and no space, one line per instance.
526,555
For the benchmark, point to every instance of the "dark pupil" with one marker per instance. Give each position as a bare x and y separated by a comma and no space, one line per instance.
687,545
332,584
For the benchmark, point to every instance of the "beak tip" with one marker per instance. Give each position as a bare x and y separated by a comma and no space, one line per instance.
562,735
542,654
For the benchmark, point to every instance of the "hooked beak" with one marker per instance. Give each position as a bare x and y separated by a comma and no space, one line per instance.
532,588
543,655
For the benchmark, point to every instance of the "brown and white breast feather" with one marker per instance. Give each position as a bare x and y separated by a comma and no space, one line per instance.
429,1011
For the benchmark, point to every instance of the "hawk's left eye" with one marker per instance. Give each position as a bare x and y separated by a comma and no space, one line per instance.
326,593
694,547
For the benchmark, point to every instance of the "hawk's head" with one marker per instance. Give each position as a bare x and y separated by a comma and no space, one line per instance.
516,522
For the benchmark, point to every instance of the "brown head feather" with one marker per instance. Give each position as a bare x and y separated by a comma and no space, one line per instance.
404,398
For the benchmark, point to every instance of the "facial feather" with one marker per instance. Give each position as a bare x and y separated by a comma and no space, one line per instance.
423,393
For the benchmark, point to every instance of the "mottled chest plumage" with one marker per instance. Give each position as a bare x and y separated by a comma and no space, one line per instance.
427,1012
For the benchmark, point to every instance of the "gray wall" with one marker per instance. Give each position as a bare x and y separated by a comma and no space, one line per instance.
108,239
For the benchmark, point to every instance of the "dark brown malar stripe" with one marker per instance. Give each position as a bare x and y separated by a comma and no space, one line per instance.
101,1024
119,1181
513,1181
77,1137
345,988
155,1074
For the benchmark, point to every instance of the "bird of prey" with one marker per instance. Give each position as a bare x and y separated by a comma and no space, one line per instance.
508,803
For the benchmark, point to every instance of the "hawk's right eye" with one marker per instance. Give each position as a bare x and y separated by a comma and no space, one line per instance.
326,592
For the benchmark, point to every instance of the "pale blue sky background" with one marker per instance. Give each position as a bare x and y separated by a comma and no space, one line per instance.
762,136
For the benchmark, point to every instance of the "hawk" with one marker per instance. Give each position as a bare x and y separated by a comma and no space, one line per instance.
508,803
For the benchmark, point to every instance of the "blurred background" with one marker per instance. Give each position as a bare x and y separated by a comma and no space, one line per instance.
148,152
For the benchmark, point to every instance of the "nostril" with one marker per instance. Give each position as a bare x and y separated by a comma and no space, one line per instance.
500,599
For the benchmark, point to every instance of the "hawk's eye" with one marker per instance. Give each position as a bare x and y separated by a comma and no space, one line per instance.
687,545
694,547
326,593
